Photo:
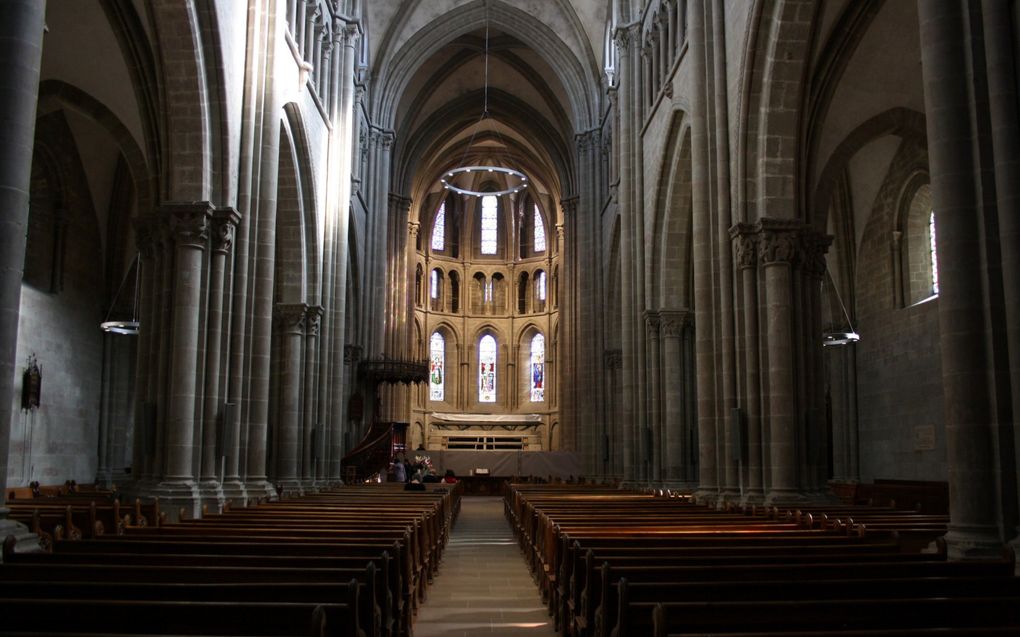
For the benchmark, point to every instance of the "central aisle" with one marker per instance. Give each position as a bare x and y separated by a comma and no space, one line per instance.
483,586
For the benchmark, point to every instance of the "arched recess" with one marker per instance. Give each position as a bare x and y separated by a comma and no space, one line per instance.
902,122
778,59
64,295
917,272
475,381
670,262
189,116
451,367
578,78
291,260
532,380
55,95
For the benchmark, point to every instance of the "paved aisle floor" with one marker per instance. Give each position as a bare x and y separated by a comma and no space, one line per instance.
483,586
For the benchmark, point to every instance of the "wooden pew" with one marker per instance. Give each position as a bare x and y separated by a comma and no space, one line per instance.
55,616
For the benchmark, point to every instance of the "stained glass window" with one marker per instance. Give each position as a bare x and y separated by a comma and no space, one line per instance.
489,224
934,264
539,232
541,285
437,359
435,284
538,368
487,370
439,229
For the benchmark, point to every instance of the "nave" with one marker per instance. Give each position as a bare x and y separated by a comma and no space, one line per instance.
483,586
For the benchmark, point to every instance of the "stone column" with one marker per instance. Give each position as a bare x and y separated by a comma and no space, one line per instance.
21,36
630,87
746,250
705,307
291,320
223,224
897,267
654,366
1004,102
673,383
958,175
778,249
147,266
814,245
311,463
190,225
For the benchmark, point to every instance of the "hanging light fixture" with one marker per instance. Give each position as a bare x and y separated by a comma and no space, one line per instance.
518,180
831,339
127,328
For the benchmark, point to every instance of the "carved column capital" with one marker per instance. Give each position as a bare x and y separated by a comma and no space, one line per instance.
653,322
745,245
189,222
779,241
313,319
146,235
413,228
291,317
612,358
352,354
814,247
224,222
674,322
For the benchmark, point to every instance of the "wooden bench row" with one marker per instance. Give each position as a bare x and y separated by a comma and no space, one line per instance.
351,562
630,564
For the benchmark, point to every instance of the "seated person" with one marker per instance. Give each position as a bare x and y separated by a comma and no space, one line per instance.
450,478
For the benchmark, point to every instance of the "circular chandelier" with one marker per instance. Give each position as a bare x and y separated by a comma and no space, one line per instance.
522,180
129,327
516,178
849,337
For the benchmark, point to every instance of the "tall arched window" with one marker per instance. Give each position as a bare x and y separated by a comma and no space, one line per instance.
538,369
437,361
439,229
434,292
932,251
487,369
490,224
539,231
540,283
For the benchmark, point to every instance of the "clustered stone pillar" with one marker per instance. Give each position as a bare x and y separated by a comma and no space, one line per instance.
223,223
312,433
653,324
673,381
960,170
746,251
291,319
778,249
190,225
21,35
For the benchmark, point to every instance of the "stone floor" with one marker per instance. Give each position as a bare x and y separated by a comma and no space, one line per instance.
483,586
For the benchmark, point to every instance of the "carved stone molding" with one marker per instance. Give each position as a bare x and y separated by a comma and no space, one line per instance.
653,322
612,358
779,241
675,322
291,317
313,319
145,239
189,222
224,222
745,245
352,353
814,247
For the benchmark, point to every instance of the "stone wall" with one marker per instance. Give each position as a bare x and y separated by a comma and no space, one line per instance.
899,370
